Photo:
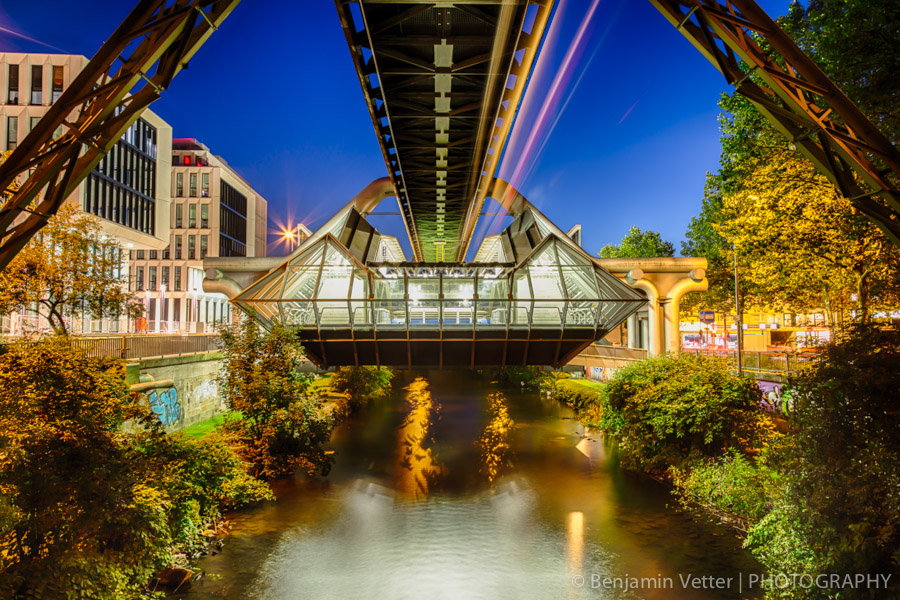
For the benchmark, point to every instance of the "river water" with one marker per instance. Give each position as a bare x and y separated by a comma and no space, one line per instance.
452,489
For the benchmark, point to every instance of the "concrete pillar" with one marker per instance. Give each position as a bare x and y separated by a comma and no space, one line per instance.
655,326
694,282
634,339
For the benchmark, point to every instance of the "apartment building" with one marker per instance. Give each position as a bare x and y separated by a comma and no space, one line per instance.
129,190
214,212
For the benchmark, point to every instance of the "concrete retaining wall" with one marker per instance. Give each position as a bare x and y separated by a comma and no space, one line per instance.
193,394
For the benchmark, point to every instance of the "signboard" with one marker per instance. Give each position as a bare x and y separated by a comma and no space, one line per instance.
707,316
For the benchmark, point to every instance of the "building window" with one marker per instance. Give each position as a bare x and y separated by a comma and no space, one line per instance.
13,96
178,247
204,243
177,279
12,132
179,210
204,185
232,222
37,83
204,215
192,242
139,255
165,276
32,121
166,253
153,255
139,279
193,185
192,216
122,187
151,284
179,185
56,91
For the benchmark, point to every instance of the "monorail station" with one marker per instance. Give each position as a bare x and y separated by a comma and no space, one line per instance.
532,296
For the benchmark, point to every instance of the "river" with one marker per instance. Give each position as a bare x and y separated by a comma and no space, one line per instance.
452,489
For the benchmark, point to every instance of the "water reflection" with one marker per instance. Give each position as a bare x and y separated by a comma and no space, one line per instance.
420,467
495,450
406,512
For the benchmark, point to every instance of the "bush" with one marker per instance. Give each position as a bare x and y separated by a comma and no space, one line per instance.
527,378
280,426
732,487
585,396
667,410
87,510
842,469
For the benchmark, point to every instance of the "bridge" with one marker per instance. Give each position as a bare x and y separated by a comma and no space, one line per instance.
443,82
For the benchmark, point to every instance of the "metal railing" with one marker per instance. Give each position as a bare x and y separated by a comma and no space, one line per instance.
147,346
616,352
760,363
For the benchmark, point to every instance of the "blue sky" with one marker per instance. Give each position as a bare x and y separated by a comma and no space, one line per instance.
274,92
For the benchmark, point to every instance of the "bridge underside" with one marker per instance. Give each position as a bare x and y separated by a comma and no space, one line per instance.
533,298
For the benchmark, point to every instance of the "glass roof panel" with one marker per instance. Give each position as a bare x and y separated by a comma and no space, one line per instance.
570,256
311,256
300,283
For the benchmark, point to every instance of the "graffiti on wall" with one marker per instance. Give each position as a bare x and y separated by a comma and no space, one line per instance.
166,406
208,389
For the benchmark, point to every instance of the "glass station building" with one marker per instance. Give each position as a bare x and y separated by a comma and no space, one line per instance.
538,300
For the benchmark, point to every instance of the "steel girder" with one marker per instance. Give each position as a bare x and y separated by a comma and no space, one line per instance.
103,101
798,99
442,82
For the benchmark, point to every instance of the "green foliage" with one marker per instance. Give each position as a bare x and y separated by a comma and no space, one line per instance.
362,384
765,187
585,396
89,511
843,467
526,378
732,487
281,427
639,244
667,410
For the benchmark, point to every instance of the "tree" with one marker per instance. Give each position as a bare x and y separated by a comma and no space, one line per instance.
280,426
68,268
839,511
86,509
805,246
639,244
863,61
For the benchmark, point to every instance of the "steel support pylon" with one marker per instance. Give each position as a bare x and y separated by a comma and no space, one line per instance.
798,99
154,42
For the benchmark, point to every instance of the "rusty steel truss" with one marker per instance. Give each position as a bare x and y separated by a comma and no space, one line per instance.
130,71
798,99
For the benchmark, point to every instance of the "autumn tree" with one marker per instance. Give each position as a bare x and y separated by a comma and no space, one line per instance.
809,270
280,426
69,268
639,244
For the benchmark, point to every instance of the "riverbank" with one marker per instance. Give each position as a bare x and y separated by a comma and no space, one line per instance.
378,528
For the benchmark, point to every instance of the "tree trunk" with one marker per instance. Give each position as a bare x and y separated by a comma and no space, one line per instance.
829,316
862,297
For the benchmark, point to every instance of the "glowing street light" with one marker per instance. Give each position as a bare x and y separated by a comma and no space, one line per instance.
292,234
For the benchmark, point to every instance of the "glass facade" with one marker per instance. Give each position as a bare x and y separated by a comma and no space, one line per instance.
537,300
556,287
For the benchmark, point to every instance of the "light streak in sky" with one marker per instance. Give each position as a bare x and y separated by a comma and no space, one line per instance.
18,34
530,135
